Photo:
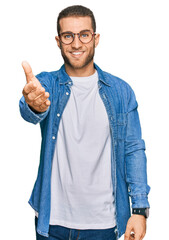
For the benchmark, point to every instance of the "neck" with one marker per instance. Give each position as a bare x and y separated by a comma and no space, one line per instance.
80,72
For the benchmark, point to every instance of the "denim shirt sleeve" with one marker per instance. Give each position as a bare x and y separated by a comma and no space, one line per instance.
135,158
25,110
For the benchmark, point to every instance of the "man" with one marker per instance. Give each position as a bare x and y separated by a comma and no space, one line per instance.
92,155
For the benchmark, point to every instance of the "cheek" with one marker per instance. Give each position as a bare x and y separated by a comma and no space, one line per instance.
92,47
63,48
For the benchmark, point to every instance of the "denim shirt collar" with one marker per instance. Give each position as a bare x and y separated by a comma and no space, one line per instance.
64,77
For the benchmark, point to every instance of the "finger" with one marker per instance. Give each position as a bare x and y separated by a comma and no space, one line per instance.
28,71
29,87
41,99
142,236
44,106
132,236
47,102
35,94
127,233
137,237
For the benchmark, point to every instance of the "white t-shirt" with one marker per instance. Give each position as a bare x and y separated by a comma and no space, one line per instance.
81,186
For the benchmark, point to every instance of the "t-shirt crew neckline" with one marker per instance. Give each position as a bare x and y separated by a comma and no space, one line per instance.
93,76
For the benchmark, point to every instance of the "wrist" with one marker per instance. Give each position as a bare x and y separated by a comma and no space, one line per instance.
141,211
35,111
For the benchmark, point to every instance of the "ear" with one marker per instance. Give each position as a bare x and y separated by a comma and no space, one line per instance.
58,41
97,38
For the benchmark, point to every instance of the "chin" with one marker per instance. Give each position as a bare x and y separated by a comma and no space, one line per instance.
79,65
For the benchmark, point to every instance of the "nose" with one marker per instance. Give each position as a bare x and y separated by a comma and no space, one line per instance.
76,43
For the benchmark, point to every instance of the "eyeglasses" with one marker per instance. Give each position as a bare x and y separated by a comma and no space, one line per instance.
84,36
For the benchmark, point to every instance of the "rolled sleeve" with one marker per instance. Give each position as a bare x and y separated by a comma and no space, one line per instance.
29,115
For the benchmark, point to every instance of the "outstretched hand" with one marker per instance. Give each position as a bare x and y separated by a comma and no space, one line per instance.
35,95
136,228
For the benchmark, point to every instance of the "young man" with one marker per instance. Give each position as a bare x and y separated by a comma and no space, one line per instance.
92,154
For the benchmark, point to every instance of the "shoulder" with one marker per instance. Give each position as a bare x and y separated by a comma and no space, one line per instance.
117,83
114,79
121,89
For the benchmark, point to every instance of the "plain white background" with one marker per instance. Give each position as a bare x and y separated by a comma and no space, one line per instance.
134,46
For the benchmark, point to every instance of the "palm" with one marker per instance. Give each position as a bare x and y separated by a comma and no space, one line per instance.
34,93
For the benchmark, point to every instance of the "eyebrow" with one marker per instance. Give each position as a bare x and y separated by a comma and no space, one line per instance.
79,32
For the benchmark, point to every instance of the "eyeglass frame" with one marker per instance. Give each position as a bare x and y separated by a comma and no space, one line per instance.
73,34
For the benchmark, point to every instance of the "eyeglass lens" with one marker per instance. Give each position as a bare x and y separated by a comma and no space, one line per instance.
84,36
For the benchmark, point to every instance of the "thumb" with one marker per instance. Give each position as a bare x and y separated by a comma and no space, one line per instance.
28,71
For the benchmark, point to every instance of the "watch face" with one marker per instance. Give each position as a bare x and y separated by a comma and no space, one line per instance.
147,212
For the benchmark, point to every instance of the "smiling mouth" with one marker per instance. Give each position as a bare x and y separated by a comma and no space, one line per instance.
77,54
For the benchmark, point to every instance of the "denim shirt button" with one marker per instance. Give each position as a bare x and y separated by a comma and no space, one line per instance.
53,137
58,114
67,93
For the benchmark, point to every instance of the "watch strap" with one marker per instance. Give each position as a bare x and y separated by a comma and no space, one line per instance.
140,211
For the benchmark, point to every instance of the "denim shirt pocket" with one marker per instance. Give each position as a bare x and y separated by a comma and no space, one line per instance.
121,125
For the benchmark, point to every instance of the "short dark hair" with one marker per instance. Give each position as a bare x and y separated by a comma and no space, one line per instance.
76,11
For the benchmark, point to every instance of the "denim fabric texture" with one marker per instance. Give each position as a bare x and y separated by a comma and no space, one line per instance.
128,162
57,232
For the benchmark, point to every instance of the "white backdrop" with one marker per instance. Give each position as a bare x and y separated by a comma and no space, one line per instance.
134,46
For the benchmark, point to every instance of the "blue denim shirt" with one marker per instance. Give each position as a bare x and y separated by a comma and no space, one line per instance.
128,159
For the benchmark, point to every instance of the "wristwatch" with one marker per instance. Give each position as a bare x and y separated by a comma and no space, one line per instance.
141,211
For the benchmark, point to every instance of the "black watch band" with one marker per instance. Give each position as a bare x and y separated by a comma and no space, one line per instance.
141,211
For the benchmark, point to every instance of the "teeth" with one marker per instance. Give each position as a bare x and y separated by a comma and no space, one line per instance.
76,53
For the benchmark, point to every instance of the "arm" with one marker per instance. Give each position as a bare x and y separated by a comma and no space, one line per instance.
135,158
136,171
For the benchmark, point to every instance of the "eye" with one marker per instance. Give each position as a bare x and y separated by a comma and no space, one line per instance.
85,35
67,36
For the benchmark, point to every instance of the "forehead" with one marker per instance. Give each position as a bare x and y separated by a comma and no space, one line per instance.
75,24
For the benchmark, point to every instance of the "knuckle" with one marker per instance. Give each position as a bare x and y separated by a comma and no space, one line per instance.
39,89
33,84
42,107
44,97
38,101
29,97
35,103
40,92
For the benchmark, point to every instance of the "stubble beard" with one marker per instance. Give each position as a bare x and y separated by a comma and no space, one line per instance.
77,65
